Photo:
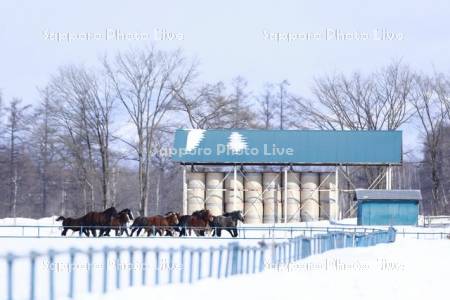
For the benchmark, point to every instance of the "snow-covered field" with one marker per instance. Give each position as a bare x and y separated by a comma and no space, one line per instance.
392,271
406,269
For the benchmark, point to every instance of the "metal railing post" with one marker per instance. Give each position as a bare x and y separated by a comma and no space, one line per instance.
170,279
89,278
105,269
51,258
118,266
33,256
131,274
10,263
72,273
157,266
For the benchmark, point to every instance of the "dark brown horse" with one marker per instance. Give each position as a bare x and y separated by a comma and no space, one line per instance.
99,220
198,221
160,224
74,224
138,225
119,222
228,221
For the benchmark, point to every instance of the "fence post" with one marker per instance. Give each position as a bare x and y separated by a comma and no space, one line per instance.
170,265
247,260
219,265
227,261
191,265
200,254
117,268
157,266
241,261
10,261
261,260
105,269
182,264
90,260
51,257
254,260
144,266
211,259
234,258
72,272
33,256
131,274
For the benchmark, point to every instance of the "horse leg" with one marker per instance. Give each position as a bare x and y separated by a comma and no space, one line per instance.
64,232
235,232
219,232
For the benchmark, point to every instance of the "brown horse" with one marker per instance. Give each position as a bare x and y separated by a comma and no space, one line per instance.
198,221
119,222
74,224
99,220
160,224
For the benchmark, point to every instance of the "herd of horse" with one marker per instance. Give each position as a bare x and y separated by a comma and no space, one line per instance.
201,223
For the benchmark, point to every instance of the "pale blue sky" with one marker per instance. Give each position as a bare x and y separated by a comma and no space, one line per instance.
225,36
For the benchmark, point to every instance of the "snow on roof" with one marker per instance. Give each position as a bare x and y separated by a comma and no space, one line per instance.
362,194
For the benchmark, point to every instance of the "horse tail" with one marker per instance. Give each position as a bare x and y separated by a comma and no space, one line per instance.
61,218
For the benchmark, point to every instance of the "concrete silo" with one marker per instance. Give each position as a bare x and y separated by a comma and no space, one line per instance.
253,204
234,193
292,209
271,198
309,196
195,192
214,193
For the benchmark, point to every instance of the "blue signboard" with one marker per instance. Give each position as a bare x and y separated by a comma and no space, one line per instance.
237,146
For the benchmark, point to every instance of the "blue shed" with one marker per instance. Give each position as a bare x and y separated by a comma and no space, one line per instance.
388,207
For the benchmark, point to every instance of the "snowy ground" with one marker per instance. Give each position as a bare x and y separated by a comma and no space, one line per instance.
407,267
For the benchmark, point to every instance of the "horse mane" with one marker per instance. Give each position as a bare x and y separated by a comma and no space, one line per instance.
60,218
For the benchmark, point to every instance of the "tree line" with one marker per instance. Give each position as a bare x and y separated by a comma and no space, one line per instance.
94,136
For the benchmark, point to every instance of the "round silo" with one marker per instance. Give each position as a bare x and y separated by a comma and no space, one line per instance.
196,192
271,198
214,193
232,201
324,196
293,196
333,197
253,204
309,196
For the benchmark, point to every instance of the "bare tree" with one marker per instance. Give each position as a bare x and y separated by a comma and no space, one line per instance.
282,98
267,107
145,82
374,102
69,104
206,107
44,144
243,115
428,101
16,126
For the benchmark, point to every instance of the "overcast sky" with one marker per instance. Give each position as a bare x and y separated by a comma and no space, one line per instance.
228,38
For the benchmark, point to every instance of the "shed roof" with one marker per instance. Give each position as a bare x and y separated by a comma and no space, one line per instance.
362,194
296,147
